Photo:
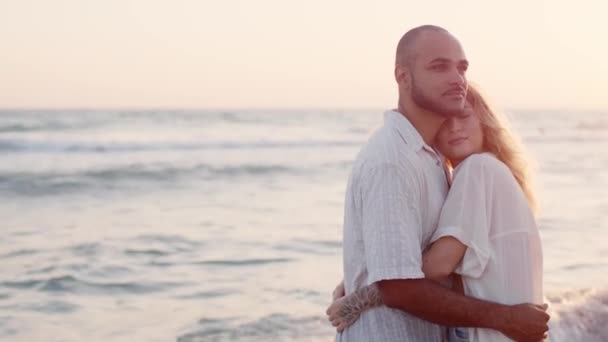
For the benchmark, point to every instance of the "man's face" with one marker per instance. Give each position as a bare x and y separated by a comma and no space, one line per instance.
437,80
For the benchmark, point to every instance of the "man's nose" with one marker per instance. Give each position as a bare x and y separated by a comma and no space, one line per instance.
458,78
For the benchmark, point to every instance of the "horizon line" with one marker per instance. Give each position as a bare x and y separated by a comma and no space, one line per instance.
261,108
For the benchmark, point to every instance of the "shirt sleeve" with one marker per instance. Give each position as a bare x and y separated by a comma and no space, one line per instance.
465,217
391,223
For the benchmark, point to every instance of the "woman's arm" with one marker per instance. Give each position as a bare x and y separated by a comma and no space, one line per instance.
442,257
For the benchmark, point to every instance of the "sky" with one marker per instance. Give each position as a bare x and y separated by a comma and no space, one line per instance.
525,54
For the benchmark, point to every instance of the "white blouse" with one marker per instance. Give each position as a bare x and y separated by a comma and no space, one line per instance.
487,211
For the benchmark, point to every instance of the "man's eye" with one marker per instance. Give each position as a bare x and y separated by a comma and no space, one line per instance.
438,67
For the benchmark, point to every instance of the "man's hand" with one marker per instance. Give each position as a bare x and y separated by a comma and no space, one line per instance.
340,315
345,310
526,322
335,312
338,291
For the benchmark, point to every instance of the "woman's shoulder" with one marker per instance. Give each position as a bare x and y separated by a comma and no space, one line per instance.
483,164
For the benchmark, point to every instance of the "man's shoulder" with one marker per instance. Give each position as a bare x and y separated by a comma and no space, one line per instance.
386,148
369,163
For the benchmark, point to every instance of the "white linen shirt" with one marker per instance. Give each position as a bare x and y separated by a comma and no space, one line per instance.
488,212
393,200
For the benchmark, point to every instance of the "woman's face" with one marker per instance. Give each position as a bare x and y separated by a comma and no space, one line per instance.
460,136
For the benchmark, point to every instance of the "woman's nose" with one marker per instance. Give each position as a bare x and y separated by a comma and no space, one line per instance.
454,126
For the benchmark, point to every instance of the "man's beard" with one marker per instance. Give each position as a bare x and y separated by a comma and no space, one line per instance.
426,103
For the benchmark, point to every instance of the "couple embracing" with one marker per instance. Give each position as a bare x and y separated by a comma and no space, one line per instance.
440,238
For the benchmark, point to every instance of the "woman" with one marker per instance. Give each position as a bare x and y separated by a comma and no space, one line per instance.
487,232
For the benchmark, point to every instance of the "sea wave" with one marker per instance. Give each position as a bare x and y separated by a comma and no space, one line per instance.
579,316
274,327
130,176
33,146
45,126
72,284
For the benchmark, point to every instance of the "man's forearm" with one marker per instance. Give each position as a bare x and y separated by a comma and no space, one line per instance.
429,301
362,299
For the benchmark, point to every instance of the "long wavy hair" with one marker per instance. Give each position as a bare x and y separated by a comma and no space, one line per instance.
499,139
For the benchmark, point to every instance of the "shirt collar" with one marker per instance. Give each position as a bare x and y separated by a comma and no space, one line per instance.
406,130
410,135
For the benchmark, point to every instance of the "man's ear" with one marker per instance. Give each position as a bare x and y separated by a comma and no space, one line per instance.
402,76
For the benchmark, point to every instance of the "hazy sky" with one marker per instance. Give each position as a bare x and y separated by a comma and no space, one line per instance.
287,53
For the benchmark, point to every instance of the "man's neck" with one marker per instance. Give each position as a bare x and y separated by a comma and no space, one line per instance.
426,123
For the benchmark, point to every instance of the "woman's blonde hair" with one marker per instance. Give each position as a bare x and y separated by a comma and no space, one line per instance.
500,140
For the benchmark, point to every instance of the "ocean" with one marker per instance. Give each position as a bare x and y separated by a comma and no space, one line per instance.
172,225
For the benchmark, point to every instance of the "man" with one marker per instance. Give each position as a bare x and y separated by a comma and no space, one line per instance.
395,193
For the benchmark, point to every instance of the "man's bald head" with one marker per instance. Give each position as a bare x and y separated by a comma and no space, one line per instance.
407,44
